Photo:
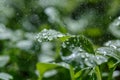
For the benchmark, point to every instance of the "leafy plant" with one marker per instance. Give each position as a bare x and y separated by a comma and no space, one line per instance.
59,39
78,52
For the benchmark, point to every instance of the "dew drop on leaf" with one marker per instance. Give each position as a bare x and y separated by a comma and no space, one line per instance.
97,57
83,56
48,35
86,59
64,45
86,55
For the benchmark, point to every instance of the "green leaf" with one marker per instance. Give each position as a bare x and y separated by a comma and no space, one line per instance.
113,43
43,67
111,64
5,76
110,52
78,52
83,73
78,41
79,73
83,59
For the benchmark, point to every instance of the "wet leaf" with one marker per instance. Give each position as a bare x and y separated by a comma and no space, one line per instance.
78,52
110,52
80,42
44,67
113,43
82,59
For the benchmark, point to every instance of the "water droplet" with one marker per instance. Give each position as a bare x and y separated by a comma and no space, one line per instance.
69,58
108,43
86,59
50,38
104,53
119,17
72,46
91,61
37,36
39,40
17,14
67,42
74,40
106,60
110,17
99,62
45,36
113,46
98,57
2,28
64,45
86,54
50,73
60,35
45,30
83,56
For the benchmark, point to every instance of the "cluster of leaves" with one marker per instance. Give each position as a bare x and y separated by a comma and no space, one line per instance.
78,56
59,39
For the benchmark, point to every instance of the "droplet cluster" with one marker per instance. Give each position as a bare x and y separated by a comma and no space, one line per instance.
83,59
109,52
113,43
48,35
78,54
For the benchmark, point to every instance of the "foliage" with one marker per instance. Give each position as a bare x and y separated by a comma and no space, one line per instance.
78,52
59,39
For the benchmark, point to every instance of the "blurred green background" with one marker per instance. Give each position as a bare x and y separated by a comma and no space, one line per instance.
21,20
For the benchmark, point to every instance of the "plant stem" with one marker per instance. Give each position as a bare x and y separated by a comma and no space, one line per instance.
110,76
98,74
72,73
41,76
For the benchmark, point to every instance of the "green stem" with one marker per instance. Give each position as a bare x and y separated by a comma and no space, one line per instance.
41,76
110,76
72,73
57,49
98,74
